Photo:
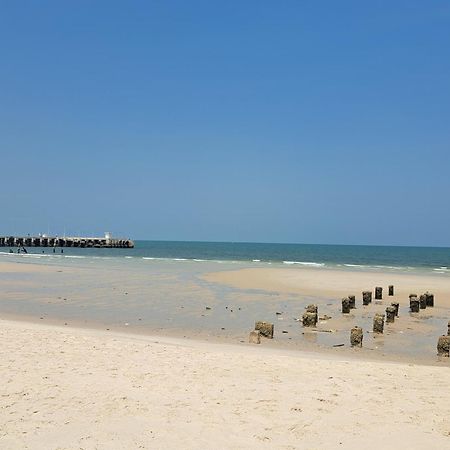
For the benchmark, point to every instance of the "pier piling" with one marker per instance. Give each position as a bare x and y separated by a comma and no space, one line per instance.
378,323
254,337
378,293
367,297
265,329
443,346
352,301
423,301
345,305
309,319
396,305
356,336
390,314
414,305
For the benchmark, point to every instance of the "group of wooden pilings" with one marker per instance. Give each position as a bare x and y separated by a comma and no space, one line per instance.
310,318
392,311
418,303
349,302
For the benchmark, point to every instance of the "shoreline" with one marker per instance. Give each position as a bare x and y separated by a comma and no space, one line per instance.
52,258
223,306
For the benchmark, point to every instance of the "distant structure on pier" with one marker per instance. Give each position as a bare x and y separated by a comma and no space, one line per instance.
72,241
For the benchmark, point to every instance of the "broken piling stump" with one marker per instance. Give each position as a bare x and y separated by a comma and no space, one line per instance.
396,305
378,323
423,301
254,337
309,319
390,314
378,293
430,299
356,336
352,301
345,305
443,346
367,297
414,304
265,329
311,316
391,290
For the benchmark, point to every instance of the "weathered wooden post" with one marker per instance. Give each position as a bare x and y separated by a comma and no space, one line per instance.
356,336
378,293
423,301
310,317
448,332
413,304
443,346
254,337
352,301
367,297
345,305
396,305
265,329
390,314
378,323
391,290
430,299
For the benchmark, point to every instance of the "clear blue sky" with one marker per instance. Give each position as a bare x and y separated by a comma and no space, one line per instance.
287,121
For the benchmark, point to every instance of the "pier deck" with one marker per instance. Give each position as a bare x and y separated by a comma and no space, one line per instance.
55,241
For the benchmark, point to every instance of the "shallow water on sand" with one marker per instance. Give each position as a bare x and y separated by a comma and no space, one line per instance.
172,297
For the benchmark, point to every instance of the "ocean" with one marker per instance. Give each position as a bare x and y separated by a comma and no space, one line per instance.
436,259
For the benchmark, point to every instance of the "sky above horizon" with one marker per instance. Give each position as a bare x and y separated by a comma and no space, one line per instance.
256,121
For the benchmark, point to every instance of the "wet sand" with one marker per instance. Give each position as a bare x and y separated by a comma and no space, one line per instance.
196,301
335,284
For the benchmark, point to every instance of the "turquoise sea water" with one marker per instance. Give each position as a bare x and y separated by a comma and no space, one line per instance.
431,258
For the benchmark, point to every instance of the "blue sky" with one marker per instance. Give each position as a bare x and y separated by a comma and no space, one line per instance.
289,121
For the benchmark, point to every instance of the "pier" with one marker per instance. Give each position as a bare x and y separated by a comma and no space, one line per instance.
74,241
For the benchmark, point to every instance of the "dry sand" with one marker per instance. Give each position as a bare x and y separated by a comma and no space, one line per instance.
75,388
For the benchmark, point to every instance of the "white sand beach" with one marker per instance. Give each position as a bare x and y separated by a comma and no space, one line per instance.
75,388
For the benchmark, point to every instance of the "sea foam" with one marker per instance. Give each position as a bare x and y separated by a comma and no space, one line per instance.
305,263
